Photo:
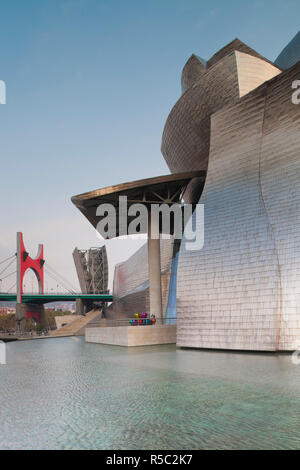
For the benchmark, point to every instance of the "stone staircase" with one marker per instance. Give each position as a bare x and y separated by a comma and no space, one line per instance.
77,327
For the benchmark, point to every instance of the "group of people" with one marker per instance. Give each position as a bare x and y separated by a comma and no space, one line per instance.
142,319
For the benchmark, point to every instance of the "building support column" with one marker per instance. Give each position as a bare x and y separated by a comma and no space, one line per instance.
80,307
154,268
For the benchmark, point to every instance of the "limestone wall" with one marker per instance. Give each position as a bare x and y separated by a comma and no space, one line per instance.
132,335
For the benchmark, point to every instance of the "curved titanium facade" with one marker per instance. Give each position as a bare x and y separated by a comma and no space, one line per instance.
192,71
186,136
290,54
242,290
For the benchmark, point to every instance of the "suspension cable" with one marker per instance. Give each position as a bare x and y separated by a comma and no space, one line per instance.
9,264
58,282
7,275
14,285
61,278
10,257
58,278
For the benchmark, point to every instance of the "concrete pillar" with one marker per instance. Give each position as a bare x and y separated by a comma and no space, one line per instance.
83,306
24,311
20,318
19,287
154,268
79,307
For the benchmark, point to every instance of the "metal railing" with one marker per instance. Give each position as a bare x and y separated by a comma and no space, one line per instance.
127,322
24,334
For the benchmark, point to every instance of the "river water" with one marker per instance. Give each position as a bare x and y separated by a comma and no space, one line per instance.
62,393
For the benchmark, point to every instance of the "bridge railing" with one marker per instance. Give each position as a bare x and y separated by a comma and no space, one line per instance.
57,293
25,334
104,322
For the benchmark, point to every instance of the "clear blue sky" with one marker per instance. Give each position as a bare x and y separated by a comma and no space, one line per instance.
89,86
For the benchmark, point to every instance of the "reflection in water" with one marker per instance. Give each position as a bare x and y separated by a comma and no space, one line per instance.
66,394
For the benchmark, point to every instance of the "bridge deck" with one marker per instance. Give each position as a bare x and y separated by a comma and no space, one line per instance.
46,298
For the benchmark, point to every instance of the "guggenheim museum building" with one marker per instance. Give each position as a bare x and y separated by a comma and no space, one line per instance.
232,143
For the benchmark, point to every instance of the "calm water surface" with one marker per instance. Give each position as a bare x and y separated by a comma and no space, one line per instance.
66,394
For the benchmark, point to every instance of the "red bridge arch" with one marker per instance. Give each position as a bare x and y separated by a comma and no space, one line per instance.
25,262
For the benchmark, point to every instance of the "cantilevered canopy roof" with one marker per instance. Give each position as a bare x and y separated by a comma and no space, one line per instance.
167,189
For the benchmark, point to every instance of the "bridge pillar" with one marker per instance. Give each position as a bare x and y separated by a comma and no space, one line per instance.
79,307
24,311
25,262
83,306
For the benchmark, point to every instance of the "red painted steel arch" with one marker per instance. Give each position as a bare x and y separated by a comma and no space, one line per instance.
25,262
